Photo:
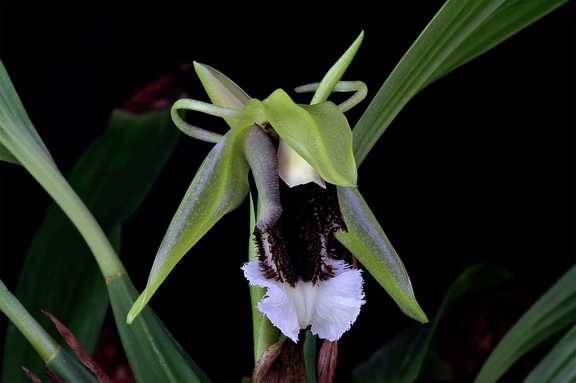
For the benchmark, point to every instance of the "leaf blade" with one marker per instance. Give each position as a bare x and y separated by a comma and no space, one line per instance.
112,177
553,312
153,354
457,34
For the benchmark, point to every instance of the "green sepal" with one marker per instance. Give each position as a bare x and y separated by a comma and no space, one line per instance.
219,186
319,133
367,241
221,90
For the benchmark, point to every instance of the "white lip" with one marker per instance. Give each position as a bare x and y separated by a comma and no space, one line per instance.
329,307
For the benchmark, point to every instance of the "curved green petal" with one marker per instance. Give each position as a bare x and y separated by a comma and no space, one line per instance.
220,186
319,133
366,240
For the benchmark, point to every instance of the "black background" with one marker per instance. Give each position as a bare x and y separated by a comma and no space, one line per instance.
478,167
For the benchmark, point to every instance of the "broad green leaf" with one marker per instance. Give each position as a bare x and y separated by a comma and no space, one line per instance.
154,355
319,133
559,365
5,155
367,242
219,186
459,32
112,177
553,312
69,368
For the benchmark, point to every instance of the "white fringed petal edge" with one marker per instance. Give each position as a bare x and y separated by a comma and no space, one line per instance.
330,306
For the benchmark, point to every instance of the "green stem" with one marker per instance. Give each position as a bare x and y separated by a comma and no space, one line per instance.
43,169
42,342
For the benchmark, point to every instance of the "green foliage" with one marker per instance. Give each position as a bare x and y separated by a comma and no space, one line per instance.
112,178
554,312
412,354
459,32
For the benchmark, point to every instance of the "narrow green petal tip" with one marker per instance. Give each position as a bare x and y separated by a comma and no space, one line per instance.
336,72
136,308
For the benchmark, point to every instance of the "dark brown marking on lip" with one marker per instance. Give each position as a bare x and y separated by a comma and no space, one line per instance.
296,246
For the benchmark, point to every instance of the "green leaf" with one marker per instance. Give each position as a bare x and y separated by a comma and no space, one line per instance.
5,155
69,368
219,186
552,313
319,133
366,240
154,355
559,365
112,177
474,281
402,359
15,123
459,32
120,289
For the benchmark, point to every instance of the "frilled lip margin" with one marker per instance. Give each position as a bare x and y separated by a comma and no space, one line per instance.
301,264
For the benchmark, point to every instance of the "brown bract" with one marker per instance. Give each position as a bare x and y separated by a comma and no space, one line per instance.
283,362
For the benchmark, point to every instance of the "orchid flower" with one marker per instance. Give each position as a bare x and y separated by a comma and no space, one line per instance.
310,213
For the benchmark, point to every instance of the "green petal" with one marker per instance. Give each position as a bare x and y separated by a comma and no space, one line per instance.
220,186
366,240
319,133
